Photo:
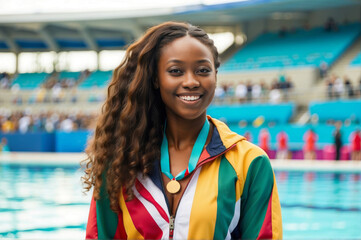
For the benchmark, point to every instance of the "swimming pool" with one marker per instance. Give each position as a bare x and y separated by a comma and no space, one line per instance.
42,203
47,203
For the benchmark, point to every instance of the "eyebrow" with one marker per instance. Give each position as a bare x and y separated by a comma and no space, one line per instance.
198,61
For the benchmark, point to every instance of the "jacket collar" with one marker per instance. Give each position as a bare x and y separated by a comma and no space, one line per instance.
222,140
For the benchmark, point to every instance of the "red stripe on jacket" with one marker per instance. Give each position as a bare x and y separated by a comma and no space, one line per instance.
142,220
144,192
92,226
266,230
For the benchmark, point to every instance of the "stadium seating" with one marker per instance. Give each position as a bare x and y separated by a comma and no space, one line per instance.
30,80
297,48
357,60
233,114
69,75
337,110
96,79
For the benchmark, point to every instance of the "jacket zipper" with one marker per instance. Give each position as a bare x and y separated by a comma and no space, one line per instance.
172,217
171,226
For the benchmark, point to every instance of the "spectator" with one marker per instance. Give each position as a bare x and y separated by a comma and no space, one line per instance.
264,138
310,139
330,25
338,87
256,92
329,84
24,124
288,86
323,69
66,125
249,91
57,93
230,92
219,93
8,125
73,95
241,92
4,145
355,140
337,135
275,94
40,94
4,81
348,87
264,90
282,150
282,32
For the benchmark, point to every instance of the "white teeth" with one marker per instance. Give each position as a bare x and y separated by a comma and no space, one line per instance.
189,98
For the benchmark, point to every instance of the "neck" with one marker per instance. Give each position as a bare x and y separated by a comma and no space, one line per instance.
182,133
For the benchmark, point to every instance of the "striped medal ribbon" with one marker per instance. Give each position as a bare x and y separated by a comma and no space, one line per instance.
173,186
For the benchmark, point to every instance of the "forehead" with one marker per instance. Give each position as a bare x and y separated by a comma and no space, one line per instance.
186,48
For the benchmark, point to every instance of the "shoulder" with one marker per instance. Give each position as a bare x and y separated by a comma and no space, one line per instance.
243,155
240,153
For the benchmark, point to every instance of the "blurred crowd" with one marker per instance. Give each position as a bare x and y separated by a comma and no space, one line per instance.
338,87
54,80
24,122
5,80
277,91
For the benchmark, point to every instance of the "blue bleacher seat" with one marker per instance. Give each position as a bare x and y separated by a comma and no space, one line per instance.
69,75
296,48
97,79
30,80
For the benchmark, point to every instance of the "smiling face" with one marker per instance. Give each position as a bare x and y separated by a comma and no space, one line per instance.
186,78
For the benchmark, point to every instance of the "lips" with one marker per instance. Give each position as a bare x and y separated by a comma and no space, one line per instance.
190,98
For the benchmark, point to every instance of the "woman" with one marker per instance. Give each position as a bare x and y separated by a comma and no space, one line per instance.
159,166
309,148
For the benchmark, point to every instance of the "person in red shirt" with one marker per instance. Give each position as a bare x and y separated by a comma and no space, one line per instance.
282,150
264,138
309,149
355,140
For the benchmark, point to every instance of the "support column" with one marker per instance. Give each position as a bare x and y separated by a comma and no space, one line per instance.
16,62
98,60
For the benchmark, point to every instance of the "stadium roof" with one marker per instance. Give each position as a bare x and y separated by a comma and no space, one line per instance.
68,29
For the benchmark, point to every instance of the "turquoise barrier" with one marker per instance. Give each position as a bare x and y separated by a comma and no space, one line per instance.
76,141
47,142
30,142
337,110
71,141
277,113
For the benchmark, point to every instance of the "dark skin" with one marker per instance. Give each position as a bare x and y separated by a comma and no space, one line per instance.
187,80
178,164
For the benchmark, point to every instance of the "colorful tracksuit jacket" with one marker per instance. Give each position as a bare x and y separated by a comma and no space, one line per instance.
232,194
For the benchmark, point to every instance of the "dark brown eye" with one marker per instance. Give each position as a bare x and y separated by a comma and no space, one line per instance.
204,71
175,71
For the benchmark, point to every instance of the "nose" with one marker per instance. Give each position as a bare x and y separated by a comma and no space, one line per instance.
190,81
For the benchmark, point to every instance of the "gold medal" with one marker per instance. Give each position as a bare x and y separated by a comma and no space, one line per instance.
173,187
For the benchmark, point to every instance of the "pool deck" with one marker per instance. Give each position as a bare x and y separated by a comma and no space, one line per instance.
74,159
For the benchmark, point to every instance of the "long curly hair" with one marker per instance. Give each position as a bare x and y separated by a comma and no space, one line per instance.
129,130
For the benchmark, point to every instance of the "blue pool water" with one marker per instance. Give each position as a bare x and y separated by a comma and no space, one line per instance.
48,203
